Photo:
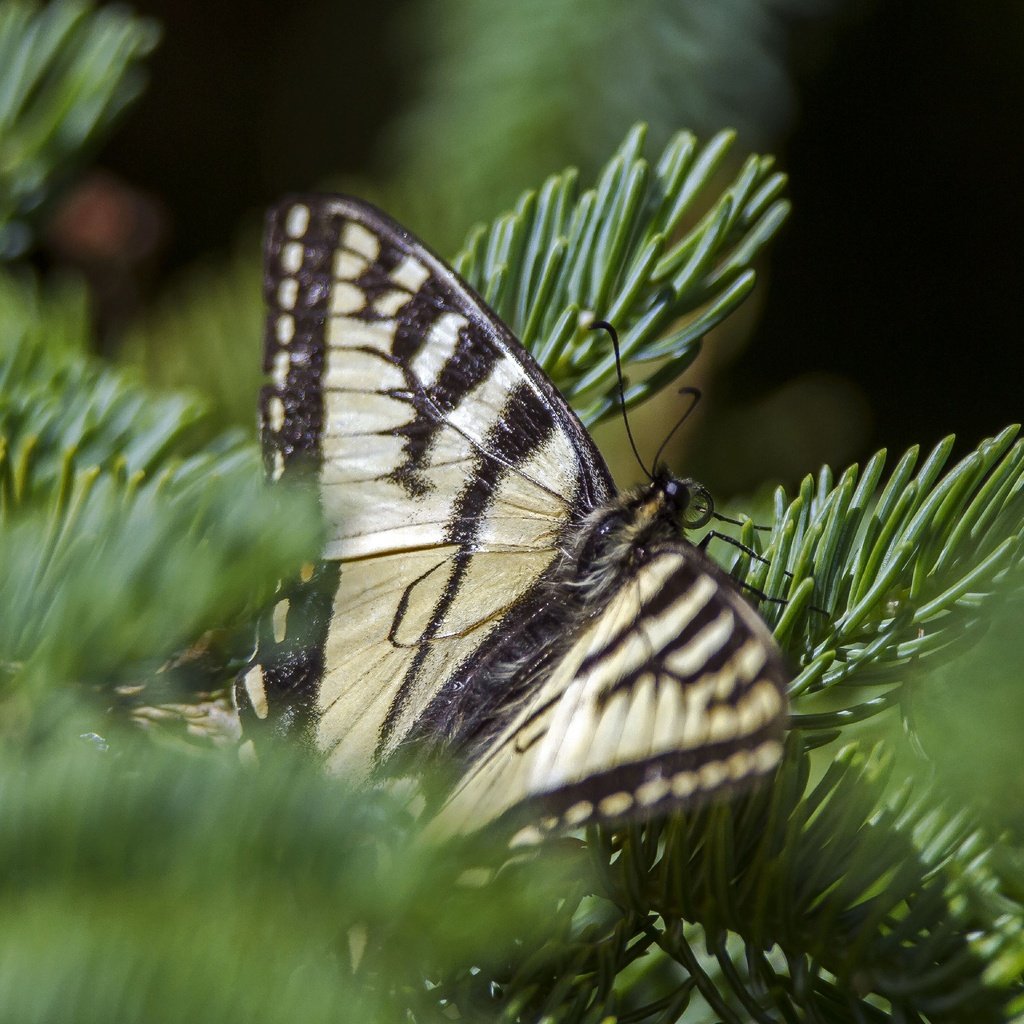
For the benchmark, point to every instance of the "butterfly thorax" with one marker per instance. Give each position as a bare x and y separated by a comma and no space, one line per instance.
618,534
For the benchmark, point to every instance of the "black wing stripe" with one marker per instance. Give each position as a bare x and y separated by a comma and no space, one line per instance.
680,622
292,409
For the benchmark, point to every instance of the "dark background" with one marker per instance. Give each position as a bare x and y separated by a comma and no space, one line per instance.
898,271
901,266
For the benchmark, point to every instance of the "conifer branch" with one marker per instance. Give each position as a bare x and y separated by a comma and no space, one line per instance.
880,583
627,251
117,527
880,579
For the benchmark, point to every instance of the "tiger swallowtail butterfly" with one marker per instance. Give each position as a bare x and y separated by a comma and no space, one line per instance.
487,600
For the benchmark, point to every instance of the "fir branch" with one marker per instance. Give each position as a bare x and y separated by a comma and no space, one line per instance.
847,879
618,252
69,71
880,584
188,548
56,399
828,901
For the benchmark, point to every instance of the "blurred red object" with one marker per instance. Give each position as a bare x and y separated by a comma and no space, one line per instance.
114,235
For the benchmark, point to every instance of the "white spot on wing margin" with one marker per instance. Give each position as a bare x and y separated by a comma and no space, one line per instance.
297,221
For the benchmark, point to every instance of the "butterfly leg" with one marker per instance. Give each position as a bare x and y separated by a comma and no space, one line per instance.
759,594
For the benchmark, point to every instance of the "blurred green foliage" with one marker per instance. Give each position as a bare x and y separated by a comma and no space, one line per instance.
185,888
505,92
204,333
967,721
123,534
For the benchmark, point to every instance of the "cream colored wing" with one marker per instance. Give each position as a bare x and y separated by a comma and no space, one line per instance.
445,462
674,693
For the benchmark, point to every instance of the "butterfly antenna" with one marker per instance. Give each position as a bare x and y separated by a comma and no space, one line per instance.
693,393
603,325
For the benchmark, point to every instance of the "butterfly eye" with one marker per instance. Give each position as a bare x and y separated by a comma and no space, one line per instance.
677,492
699,509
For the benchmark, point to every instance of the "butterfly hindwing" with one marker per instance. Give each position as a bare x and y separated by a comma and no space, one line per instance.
672,693
486,597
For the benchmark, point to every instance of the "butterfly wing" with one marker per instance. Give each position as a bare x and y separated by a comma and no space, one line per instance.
674,692
445,460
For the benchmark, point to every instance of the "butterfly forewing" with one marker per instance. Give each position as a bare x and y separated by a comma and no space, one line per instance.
445,462
457,612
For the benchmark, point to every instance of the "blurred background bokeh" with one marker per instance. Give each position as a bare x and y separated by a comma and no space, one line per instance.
889,311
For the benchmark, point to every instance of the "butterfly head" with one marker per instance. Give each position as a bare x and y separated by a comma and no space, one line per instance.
687,501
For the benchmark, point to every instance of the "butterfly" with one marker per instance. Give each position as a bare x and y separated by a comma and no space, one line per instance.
487,600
